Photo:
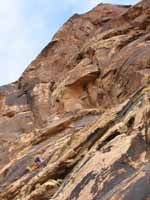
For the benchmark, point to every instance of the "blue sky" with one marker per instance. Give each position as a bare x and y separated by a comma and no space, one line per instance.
28,25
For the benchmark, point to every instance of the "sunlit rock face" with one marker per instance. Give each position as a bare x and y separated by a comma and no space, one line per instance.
83,107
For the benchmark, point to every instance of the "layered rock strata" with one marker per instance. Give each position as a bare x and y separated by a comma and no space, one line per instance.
83,106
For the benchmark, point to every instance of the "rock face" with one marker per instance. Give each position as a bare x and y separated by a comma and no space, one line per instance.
83,106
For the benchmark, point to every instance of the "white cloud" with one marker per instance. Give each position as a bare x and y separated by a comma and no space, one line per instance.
12,43
17,43
27,26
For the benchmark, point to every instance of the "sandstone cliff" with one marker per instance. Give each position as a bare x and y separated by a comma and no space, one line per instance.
83,106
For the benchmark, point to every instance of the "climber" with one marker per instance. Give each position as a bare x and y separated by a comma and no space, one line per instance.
37,162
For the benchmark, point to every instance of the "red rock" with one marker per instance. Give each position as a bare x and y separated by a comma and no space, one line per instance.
82,106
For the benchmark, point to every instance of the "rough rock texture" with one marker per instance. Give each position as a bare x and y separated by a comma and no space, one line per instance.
83,106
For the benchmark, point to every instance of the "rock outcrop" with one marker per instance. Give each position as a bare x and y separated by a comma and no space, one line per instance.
83,107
